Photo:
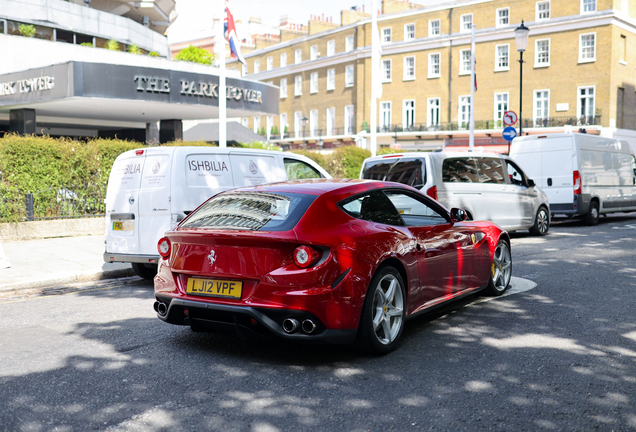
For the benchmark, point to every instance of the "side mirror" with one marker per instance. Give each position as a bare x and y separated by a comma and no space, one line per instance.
458,215
531,183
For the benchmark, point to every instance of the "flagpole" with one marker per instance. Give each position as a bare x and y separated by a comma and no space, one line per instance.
374,63
471,139
222,92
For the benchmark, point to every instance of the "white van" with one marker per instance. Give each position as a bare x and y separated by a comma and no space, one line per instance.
151,189
488,186
582,174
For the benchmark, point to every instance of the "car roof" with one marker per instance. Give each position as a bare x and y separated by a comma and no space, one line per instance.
439,155
322,186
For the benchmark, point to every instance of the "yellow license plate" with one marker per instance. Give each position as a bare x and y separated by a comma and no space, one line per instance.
214,288
123,226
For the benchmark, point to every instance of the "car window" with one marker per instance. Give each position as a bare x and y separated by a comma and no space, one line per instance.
377,170
373,207
515,174
460,170
299,170
415,212
491,170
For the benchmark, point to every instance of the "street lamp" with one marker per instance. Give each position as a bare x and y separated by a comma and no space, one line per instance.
303,122
521,36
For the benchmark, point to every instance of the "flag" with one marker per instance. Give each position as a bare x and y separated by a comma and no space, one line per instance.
230,34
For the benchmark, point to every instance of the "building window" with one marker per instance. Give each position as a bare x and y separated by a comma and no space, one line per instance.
313,123
270,63
298,56
349,76
331,121
434,27
585,108
408,114
257,124
541,112
386,35
283,88
283,124
466,23
434,65
587,47
409,32
432,112
257,66
588,6
502,62
542,53
503,17
283,60
331,79
349,121
313,82
543,10
386,70
313,52
244,69
298,124
298,85
464,62
385,116
463,111
331,48
623,49
270,125
409,68
501,106
349,43
245,122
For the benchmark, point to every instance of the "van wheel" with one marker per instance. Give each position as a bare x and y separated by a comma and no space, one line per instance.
146,271
541,222
591,218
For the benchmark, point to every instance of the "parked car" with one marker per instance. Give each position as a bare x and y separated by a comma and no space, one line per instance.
335,261
488,186
151,189
583,175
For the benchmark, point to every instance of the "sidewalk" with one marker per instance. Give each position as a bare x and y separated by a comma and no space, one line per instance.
57,261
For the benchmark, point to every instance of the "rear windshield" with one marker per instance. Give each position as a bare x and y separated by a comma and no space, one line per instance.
250,211
408,171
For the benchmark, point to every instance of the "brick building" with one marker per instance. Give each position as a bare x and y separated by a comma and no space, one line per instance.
578,73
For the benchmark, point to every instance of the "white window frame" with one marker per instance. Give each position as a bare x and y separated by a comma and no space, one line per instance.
386,35
408,72
244,69
298,85
313,52
331,79
497,112
313,82
257,124
408,110
539,12
283,88
590,5
431,64
298,56
434,30
499,19
498,67
269,122
245,122
349,43
407,33
463,101
298,128
463,70
431,108
330,118
586,59
313,123
386,78
257,66
283,59
270,63
537,119
578,101
349,75
537,63
385,112
331,48
349,119
464,23
283,124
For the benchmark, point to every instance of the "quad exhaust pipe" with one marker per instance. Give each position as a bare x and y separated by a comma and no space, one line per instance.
161,308
290,325
309,326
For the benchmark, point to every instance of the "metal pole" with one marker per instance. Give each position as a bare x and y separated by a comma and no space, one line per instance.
471,136
220,42
520,94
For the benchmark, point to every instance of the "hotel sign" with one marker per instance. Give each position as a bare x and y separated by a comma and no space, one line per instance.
29,85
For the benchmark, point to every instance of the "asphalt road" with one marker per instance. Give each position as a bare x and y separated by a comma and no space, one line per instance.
560,356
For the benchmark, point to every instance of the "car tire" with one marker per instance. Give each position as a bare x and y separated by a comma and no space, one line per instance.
383,313
591,218
146,271
500,270
541,222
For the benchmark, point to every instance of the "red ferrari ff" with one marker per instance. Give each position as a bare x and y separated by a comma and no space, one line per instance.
336,261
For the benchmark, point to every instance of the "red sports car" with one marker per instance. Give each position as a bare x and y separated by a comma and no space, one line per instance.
336,261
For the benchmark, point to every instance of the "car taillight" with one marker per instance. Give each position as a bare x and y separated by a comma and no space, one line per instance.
432,192
305,256
577,182
164,247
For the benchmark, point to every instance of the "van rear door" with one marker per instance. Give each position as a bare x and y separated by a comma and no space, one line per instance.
557,170
255,169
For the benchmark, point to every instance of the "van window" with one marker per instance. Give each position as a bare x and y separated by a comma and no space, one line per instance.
491,170
377,170
299,170
460,170
408,171
515,174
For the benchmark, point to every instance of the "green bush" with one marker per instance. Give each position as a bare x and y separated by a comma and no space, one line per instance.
153,54
319,158
87,44
133,49
27,30
195,55
113,45
345,162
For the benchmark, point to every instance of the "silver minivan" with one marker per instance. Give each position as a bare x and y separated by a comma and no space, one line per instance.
488,186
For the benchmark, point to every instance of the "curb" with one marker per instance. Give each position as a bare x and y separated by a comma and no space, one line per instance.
64,279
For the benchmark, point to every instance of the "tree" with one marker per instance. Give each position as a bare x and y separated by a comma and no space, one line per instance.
195,55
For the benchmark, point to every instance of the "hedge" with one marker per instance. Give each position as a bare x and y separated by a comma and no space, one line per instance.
344,162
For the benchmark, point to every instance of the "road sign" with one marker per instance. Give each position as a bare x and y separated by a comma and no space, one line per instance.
509,133
510,118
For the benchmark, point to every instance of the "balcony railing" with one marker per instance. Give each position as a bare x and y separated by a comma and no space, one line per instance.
315,134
